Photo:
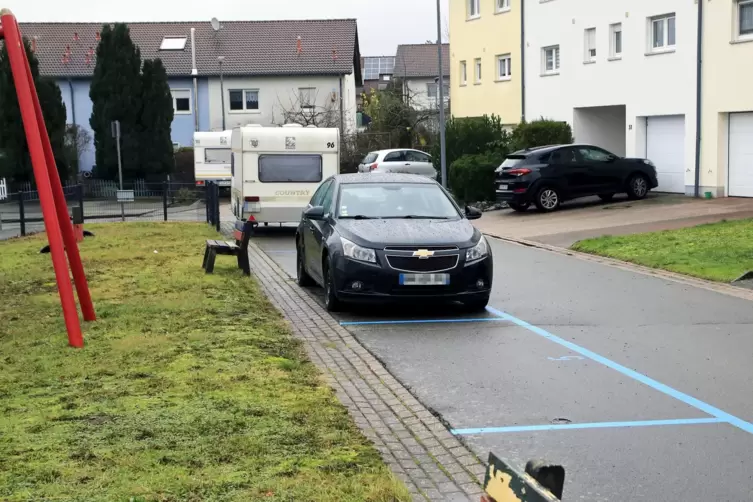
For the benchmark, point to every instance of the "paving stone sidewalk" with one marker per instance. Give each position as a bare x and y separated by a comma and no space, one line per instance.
418,448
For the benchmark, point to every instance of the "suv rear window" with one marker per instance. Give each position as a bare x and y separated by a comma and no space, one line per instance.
290,168
370,158
513,160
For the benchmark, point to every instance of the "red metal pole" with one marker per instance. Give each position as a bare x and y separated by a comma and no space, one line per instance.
18,65
69,238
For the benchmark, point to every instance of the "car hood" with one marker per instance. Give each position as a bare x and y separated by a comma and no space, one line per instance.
377,234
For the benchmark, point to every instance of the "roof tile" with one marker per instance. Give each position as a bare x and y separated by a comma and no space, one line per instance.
420,60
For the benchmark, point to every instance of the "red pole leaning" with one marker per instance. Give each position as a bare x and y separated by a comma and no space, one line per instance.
66,227
18,65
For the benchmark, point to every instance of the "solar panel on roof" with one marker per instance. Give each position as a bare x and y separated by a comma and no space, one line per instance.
374,67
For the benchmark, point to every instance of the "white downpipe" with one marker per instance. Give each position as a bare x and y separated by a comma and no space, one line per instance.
195,73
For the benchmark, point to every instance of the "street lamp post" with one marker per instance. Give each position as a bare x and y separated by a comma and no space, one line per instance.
442,144
220,60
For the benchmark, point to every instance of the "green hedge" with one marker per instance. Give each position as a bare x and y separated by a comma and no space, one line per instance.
541,132
471,177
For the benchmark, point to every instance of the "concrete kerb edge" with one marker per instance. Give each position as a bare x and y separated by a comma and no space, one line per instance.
366,379
632,267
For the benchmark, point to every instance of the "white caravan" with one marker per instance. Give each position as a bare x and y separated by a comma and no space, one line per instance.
276,170
211,151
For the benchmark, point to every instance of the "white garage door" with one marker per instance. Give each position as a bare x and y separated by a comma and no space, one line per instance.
665,147
741,155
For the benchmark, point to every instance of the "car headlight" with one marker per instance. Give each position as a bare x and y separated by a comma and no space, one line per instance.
356,252
646,161
477,252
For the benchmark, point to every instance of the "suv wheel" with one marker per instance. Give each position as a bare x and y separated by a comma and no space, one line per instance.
637,187
547,199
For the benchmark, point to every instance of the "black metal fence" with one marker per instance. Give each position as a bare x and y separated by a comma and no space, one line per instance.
21,212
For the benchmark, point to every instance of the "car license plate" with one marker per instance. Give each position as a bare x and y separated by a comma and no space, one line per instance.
503,187
424,279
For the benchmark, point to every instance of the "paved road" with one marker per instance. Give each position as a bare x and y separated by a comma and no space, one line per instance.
640,386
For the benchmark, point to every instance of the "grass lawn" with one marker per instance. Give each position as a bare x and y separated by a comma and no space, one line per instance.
717,251
190,388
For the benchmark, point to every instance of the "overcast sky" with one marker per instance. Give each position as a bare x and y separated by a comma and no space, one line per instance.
382,24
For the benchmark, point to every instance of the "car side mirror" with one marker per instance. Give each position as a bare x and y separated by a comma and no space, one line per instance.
472,213
314,213
612,158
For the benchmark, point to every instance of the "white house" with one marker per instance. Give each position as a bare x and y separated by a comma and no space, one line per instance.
274,72
623,74
418,67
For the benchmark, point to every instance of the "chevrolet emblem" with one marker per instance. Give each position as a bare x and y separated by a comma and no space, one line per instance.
423,254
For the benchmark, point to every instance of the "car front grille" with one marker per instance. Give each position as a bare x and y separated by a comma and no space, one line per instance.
423,265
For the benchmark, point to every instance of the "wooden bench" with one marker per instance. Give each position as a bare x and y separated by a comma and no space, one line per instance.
214,248
243,233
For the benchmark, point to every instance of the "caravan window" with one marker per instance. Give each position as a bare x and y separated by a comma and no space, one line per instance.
290,168
217,155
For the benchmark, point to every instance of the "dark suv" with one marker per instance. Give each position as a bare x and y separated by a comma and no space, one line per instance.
549,175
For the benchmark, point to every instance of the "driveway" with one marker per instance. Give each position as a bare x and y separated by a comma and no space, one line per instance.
639,386
586,218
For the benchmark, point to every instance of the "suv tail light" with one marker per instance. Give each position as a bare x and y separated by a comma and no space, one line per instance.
373,166
519,172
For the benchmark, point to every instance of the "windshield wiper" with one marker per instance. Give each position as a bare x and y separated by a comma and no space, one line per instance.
417,217
359,217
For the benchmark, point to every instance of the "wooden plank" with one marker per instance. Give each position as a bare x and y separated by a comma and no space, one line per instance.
505,484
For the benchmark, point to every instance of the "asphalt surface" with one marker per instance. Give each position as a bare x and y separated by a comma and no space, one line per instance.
639,386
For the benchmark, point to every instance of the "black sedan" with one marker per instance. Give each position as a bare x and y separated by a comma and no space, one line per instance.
547,176
391,237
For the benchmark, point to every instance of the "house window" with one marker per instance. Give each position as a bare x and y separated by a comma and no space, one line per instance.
550,60
307,96
473,9
181,101
463,73
502,5
589,45
504,67
173,44
477,65
615,40
745,18
432,90
244,100
662,33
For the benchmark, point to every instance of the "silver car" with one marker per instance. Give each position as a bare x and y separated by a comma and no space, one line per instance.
402,160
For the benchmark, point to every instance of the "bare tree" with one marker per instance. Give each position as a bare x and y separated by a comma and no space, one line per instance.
303,107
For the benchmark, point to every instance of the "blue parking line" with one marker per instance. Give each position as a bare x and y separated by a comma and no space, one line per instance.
597,425
420,321
665,389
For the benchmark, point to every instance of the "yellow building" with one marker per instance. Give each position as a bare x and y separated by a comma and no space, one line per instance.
485,71
727,101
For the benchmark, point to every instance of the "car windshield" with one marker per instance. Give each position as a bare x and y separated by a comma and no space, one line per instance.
394,201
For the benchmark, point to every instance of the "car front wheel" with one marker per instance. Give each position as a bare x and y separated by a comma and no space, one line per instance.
547,199
303,279
331,302
637,187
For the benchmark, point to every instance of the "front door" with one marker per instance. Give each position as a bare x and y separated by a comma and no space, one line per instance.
320,232
310,228
420,163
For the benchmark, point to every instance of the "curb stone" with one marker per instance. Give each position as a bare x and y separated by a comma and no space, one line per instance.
409,438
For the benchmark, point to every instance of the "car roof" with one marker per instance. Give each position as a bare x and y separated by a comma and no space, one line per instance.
379,152
546,149
344,179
